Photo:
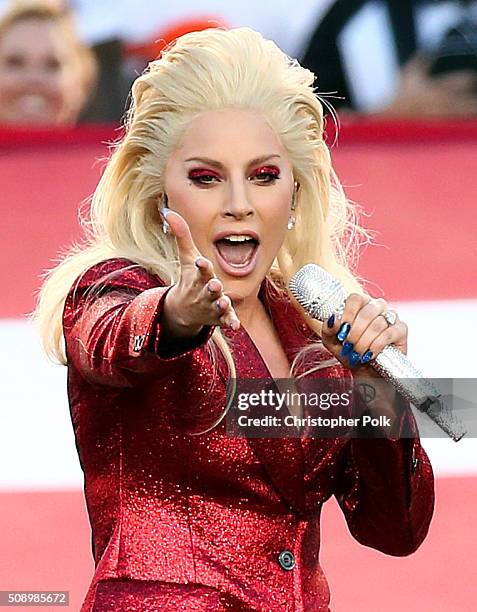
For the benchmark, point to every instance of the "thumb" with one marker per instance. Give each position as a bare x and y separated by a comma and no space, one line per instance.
179,228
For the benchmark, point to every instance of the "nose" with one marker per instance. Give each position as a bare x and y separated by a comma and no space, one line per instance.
238,204
36,79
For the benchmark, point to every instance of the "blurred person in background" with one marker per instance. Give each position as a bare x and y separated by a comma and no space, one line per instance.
407,58
46,72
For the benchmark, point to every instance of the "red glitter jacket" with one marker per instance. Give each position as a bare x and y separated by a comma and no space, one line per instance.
210,509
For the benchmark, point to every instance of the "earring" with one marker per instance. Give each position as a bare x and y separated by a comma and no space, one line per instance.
165,204
293,202
291,218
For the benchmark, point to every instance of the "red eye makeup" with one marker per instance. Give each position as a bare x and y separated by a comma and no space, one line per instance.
203,175
270,173
268,170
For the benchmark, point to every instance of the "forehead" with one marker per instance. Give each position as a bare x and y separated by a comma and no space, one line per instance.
34,34
237,131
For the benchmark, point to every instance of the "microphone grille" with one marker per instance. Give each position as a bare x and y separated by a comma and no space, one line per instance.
317,291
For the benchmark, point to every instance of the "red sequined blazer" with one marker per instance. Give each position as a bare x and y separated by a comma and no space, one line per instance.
234,522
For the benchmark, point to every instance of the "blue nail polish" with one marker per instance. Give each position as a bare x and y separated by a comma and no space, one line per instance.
353,358
366,357
331,321
346,349
343,332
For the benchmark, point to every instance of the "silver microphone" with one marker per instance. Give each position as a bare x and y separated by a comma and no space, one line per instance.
322,295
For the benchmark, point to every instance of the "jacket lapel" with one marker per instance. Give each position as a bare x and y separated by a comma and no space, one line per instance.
282,458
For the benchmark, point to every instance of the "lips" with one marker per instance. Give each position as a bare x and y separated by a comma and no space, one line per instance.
237,253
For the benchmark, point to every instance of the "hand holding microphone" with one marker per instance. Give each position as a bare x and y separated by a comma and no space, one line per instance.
323,296
362,332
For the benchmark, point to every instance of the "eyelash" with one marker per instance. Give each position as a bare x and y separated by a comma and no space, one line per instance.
199,176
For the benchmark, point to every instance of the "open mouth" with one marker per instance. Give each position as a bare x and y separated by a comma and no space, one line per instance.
32,103
237,253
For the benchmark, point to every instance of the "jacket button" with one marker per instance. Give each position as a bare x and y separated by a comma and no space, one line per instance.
286,559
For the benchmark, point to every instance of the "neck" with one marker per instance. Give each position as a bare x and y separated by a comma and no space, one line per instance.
249,309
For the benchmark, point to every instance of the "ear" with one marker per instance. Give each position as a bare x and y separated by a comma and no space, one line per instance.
163,201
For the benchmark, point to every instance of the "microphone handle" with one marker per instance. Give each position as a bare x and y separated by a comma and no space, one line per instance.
409,382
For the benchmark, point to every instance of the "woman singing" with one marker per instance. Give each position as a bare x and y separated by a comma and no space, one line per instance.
220,190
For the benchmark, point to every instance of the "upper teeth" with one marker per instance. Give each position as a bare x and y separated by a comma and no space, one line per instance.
239,238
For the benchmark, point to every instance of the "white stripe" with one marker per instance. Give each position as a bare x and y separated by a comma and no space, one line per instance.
442,338
367,49
37,447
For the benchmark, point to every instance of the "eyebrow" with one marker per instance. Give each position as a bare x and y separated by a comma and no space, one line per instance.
217,164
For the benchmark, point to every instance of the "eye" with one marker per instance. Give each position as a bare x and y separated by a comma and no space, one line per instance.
203,177
266,174
52,64
14,61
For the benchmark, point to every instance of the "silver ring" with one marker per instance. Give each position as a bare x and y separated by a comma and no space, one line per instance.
390,316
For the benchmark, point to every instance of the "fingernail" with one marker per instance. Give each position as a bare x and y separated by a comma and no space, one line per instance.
353,358
346,349
198,262
165,211
366,357
331,321
343,332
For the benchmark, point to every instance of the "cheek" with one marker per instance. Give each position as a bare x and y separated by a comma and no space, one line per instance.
198,215
275,219
63,87
182,200
10,82
277,210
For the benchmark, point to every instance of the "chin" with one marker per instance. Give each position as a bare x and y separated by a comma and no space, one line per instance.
240,288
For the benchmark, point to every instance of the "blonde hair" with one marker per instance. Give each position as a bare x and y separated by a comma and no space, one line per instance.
44,10
201,71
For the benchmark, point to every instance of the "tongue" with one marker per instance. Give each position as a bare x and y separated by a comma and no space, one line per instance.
235,254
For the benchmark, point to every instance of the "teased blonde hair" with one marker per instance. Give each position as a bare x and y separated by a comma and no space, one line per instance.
202,71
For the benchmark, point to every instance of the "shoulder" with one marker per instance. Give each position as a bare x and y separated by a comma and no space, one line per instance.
119,278
116,273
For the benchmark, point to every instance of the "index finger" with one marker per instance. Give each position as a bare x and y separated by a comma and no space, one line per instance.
342,324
